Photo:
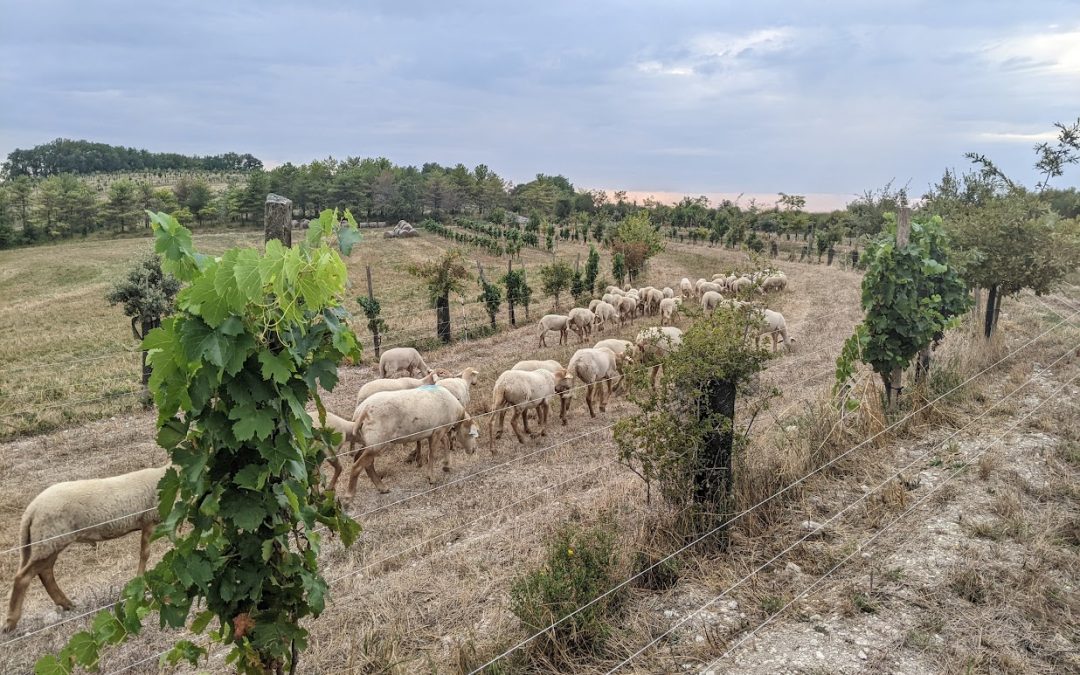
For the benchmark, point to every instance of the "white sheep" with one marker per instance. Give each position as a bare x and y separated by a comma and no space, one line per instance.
394,384
653,297
668,307
342,426
553,322
710,300
606,315
596,368
402,360
774,283
581,322
624,354
612,299
709,287
627,310
655,343
552,366
427,413
522,390
592,305
668,292
81,511
686,289
774,325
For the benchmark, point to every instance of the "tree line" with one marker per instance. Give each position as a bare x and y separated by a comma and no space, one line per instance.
64,155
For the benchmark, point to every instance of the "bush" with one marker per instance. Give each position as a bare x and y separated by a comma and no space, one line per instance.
581,564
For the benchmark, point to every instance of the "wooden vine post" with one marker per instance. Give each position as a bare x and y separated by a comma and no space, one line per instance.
376,339
903,234
278,219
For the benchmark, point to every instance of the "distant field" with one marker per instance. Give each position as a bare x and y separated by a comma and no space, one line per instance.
69,357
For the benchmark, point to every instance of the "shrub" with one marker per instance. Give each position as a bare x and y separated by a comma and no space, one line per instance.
580,565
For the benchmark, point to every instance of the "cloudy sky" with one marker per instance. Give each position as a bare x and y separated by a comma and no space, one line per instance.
820,98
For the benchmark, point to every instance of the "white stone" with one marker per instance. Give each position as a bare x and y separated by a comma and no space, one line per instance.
862,655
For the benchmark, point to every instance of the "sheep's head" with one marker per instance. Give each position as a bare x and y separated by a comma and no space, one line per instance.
470,375
431,378
468,432
564,380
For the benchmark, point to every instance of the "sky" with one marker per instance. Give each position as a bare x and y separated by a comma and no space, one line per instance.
825,99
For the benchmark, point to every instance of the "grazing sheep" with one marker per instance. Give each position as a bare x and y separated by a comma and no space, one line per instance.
81,511
668,292
653,298
342,426
606,314
389,417
710,300
592,304
552,366
774,283
668,307
402,360
612,299
709,287
627,310
581,322
394,384
614,289
686,289
742,285
773,325
523,390
461,385
553,322
655,343
596,368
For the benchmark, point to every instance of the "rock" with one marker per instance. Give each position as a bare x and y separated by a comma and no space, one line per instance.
699,638
668,613
792,568
815,528
862,655
819,655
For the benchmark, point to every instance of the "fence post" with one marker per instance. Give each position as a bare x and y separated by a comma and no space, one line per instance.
712,480
278,219
465,320
376,340
903,233
525,279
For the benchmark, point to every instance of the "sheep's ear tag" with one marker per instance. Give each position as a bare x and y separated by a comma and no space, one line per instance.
474,432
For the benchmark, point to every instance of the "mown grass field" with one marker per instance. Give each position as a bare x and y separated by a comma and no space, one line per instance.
69,357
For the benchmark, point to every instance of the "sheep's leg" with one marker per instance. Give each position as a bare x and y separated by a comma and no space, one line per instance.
588,398
542,344
367,460
18,594
605,394
144,546
500,417
542,415
564,406
655,371
525,421
49,581
514,426
336,463
433,442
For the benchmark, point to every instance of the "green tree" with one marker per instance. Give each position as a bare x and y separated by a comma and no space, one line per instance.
911,295
122,205
618,267
442,276
637,240
147,294
592,269
518,293
556,278
255,337
491,295
196,197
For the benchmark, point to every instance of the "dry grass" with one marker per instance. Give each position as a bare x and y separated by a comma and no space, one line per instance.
425,589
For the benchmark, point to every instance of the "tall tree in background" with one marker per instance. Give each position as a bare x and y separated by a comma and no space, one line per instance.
442,276
122,205
556,278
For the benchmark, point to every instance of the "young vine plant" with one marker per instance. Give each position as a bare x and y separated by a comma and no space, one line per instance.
254,338
911,295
